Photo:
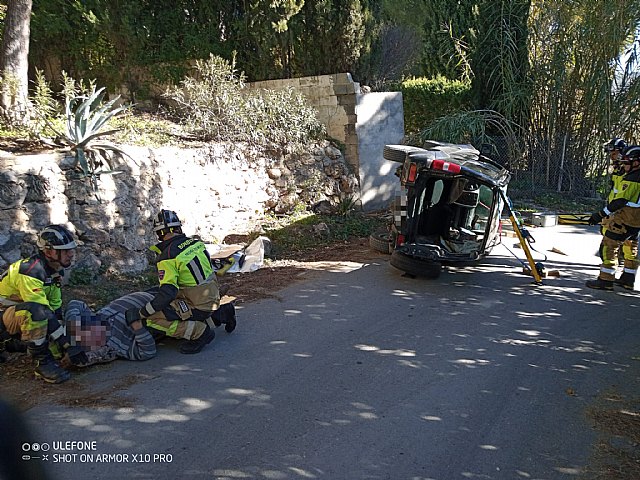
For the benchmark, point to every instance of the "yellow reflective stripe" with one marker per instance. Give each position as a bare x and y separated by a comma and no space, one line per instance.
170,330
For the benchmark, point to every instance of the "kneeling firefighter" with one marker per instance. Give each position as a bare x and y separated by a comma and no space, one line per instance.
186,304
31,300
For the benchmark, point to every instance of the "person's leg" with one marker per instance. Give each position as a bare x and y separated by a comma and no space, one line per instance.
31,320
187,329
630,251
610,247
197,334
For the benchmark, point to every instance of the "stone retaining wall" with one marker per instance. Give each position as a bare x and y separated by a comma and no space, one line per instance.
216,190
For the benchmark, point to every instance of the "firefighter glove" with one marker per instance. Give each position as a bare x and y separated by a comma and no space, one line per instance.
132,315
77,356
596,218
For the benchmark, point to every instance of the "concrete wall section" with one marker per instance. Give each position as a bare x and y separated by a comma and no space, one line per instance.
380,122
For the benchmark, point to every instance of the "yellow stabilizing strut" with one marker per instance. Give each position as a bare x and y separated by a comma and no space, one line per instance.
523,242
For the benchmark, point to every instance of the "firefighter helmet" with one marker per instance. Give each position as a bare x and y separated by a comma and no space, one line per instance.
615,144
166,221
56,237
631,154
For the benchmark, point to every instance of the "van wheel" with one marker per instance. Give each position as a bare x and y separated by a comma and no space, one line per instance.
397,153
381,242
414,266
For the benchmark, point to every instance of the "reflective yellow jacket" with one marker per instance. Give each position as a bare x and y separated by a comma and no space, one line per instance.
32,280
182,262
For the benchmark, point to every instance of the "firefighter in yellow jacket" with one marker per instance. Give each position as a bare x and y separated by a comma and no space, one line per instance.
31,301
187,302
621,223
614,148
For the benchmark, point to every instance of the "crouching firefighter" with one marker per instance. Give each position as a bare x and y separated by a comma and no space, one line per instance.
620,220
186,304
31,300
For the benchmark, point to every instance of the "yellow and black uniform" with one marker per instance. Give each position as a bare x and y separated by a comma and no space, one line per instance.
188,293
621,223
30,289
31,298
630,246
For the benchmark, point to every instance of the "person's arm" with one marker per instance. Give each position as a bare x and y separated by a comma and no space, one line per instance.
143,346
167,291
612,207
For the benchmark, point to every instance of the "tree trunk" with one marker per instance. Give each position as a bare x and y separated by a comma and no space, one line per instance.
14,61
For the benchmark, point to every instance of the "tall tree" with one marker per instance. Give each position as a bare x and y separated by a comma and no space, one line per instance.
330,35
581,97
500,60
14,61
449,37
260,34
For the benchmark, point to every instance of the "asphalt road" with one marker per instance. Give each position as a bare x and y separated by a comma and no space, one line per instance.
362,373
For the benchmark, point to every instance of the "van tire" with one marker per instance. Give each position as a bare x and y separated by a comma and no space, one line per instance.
415,266
381,242
398,153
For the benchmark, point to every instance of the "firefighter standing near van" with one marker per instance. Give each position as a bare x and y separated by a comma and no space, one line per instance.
31,300
620,220
614,148
187,302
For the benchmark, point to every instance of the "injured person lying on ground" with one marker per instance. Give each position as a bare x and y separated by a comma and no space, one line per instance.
106,335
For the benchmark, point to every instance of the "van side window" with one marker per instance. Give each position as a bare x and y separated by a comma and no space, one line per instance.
438,187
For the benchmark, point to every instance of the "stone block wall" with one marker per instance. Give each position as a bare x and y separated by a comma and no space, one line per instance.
363,123
334,96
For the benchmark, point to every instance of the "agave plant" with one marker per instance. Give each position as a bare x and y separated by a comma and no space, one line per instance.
86,116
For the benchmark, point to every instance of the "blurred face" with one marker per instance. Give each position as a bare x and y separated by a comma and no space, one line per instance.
87,332
58,259
615,156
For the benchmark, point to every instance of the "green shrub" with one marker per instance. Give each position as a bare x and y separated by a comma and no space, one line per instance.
426,99
214,105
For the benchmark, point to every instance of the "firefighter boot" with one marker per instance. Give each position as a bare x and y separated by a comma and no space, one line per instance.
196,345
600,284
46,367
626,280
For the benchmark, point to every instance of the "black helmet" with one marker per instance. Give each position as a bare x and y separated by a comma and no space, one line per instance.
615,144
56,237
166,221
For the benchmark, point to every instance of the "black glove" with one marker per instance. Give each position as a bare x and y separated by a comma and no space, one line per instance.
596,218
15,345
77,356
132,315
